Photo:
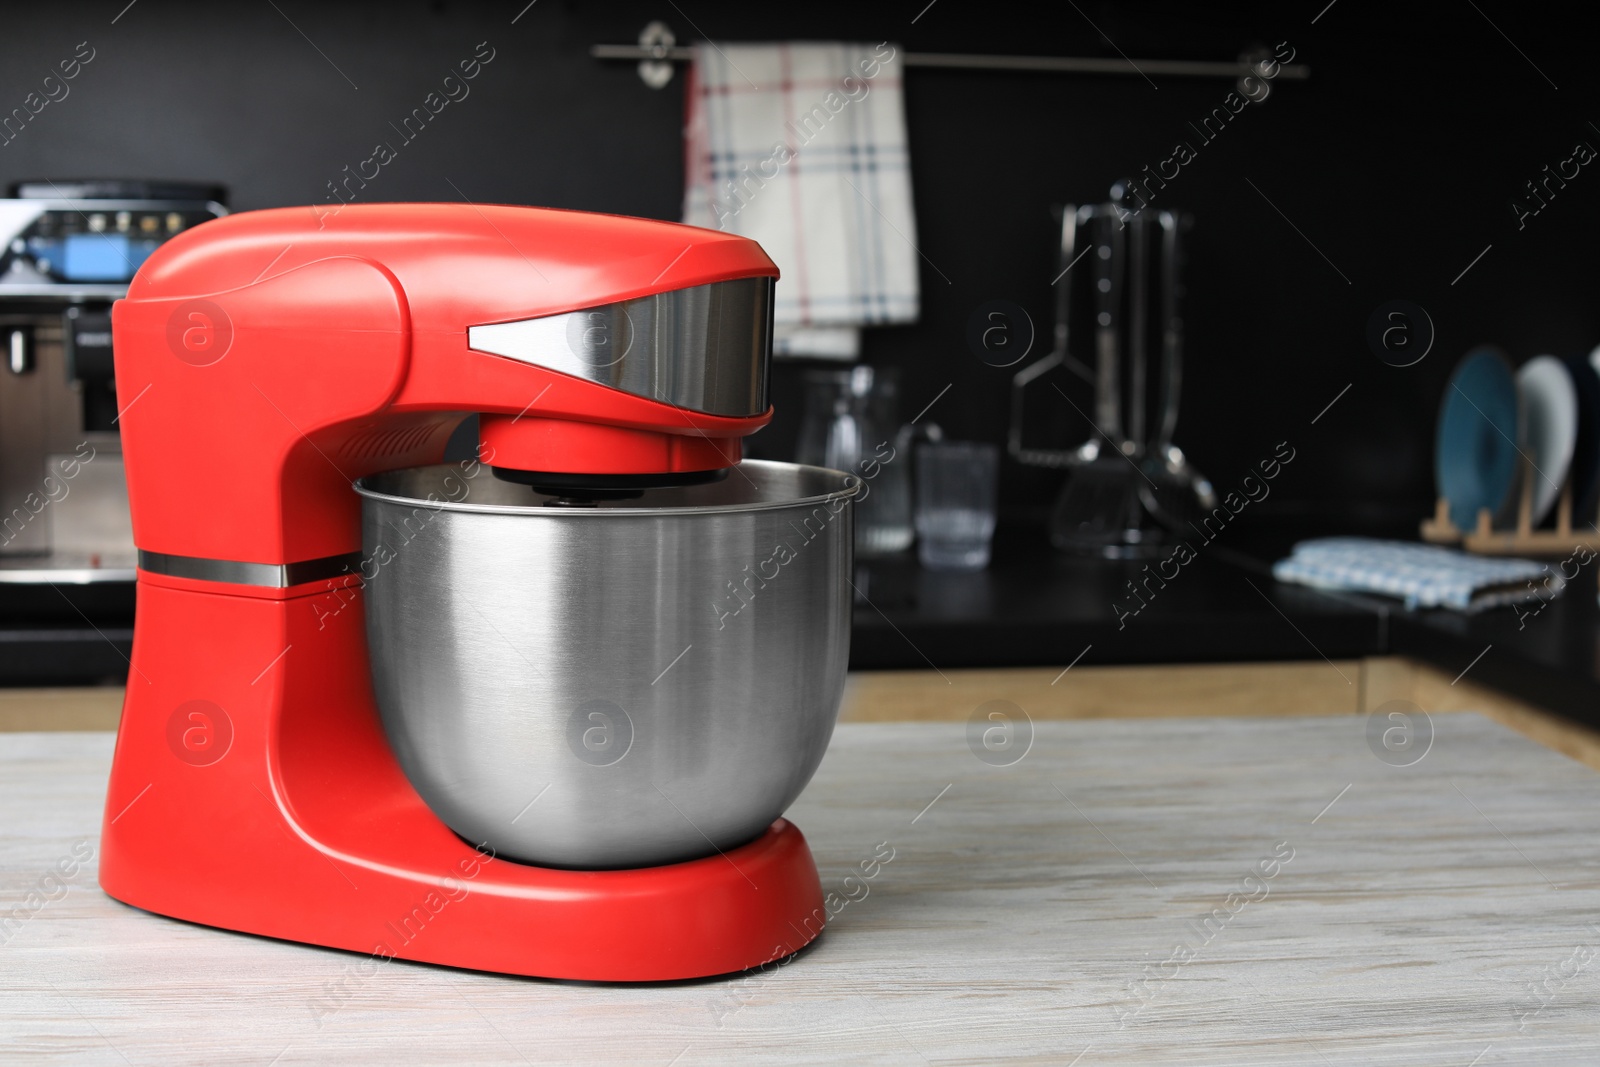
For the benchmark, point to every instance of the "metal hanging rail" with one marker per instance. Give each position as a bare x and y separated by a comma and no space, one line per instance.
658,49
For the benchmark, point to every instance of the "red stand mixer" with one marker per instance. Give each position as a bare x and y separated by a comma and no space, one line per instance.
266,361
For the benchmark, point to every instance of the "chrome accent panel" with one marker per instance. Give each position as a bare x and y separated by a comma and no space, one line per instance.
706,348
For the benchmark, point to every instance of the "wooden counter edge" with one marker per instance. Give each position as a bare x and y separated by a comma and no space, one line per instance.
1269,690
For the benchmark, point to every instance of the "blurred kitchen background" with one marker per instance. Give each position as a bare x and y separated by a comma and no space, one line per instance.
1382,176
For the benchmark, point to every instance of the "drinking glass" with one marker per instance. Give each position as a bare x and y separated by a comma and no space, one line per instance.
957,482
850,424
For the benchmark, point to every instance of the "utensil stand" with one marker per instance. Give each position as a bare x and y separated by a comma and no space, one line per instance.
1128,487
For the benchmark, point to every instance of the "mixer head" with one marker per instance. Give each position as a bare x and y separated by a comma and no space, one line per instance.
698,349
603,356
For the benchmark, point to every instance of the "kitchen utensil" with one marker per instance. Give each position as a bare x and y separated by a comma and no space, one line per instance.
320,726
1172,326
1060,356
1138,325
1098,510
850,423
1475,461
956,497
1549,402
1176,494
1107,260
1586,450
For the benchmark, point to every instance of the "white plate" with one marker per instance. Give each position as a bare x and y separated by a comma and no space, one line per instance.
1550,414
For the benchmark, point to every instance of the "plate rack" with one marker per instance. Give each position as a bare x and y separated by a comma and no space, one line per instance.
1523,539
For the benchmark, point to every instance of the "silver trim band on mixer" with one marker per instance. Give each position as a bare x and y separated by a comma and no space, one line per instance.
237,572
705,348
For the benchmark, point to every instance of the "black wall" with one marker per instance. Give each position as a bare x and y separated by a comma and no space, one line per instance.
1398,160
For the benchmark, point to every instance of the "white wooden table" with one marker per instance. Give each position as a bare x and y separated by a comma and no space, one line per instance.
1442,913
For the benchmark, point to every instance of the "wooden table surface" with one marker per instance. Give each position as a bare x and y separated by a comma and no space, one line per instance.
1196,891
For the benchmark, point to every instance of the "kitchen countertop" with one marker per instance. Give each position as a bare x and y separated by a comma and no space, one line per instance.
1548,655
1033,606
1036,607
65,634
1050,911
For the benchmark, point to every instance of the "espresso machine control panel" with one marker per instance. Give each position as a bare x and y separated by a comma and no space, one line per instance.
106,245
59,248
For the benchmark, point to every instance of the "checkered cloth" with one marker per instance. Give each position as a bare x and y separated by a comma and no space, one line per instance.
802,147
1425,576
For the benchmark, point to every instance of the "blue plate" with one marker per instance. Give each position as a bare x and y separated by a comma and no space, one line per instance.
1475,459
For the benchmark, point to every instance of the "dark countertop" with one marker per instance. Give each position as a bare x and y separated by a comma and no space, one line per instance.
1033,606
1550,658
1036,607
65,634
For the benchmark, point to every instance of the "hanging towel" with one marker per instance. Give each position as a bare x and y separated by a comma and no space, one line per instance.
802,147
1425,576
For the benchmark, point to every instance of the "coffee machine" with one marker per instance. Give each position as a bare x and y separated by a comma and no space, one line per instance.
332,719
67,250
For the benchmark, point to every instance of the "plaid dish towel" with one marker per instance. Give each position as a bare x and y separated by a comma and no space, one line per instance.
1425,576
802,147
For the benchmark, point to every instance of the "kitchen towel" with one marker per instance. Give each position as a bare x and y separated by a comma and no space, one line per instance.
802,147
1425,576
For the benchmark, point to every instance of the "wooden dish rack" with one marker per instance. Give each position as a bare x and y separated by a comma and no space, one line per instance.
1523,540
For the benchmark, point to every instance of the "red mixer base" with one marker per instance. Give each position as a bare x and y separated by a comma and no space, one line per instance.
253,790
711,916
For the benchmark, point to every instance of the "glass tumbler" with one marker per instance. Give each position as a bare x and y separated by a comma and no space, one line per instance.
957,485
849,424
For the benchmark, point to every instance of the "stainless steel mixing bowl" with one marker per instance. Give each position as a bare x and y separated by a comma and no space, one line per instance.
628,684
